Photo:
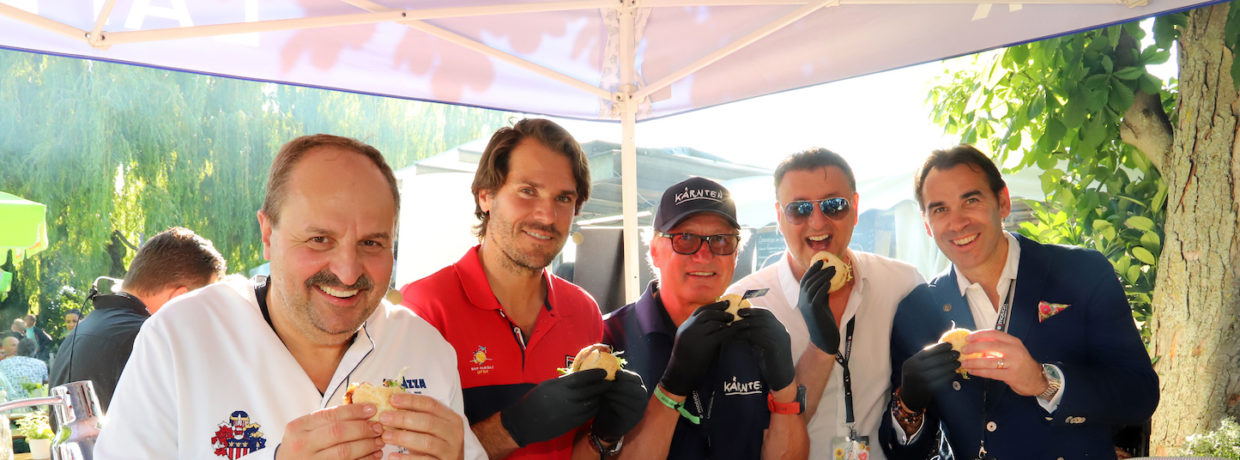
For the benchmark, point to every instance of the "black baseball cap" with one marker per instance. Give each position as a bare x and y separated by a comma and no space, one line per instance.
691,196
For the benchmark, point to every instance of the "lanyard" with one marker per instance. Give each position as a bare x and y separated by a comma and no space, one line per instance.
1001,324
842,358
1005,312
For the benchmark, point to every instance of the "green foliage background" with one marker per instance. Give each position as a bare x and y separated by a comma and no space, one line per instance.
111,147
1058,105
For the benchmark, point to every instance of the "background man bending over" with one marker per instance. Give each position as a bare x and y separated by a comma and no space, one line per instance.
169,264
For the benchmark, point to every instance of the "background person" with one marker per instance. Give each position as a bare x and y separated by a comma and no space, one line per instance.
72,317
8,344
42,340
513,322
23,369
169,264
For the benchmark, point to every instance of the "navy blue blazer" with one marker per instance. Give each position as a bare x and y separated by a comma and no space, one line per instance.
1109,380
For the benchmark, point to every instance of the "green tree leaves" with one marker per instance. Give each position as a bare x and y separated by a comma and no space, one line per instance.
137,150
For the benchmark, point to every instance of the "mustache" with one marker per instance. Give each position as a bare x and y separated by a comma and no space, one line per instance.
330,279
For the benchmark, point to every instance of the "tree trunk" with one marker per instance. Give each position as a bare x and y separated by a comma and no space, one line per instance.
1196,318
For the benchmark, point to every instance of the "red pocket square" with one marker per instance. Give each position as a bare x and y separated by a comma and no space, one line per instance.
1047,309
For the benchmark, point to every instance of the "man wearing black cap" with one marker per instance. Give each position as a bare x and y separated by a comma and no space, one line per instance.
725,389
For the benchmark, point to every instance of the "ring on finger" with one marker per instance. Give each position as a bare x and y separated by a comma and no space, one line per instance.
1001,364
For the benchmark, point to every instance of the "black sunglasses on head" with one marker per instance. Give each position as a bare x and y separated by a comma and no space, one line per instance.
800,210
689,243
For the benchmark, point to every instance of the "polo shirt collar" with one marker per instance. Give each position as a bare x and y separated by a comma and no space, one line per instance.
121,300
478,288
651,316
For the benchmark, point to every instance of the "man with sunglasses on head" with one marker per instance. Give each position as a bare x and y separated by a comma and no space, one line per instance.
719,388
839,339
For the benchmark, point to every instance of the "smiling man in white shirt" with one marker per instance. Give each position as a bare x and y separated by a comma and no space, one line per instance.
817,210
259,369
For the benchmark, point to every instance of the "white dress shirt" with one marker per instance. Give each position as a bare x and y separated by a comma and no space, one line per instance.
880,285
985,315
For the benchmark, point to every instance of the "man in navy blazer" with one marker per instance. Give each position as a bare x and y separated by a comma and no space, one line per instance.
1056,362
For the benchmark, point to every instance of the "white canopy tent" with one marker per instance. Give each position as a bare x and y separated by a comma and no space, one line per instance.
622,60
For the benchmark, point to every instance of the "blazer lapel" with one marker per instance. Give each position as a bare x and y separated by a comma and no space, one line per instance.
1031,274
954,306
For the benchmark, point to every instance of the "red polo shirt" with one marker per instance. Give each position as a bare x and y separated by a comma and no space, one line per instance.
497,365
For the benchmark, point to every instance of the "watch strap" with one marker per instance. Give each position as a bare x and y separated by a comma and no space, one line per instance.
1054,382
795,407
605,451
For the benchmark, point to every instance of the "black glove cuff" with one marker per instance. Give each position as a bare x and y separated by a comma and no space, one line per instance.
671,387
784,381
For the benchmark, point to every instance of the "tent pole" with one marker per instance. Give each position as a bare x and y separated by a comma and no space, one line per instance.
628,148
104,14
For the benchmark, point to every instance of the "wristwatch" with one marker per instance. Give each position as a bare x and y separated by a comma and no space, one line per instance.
795,407
604,451
1054,382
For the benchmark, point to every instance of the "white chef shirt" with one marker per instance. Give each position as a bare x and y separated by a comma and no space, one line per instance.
209,354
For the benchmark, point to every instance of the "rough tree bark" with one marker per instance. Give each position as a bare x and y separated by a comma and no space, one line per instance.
1196,317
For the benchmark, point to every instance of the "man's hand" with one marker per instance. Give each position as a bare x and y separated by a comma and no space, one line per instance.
813,303
1004,358
555,407
333,433
770,341
926,372
621,408
424,426
697,345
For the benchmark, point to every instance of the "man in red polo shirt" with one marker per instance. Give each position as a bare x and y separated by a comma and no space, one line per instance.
514,323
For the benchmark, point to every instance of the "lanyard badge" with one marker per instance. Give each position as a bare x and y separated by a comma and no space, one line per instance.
843,448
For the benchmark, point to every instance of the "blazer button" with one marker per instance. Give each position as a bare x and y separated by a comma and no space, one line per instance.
991,426
947,307
956,385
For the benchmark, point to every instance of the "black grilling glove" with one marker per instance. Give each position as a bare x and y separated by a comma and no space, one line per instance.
771,343
621,408
696,347
555,406
926,372
816,310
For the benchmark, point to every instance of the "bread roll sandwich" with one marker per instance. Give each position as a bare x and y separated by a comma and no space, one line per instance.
735,303
379,395
843,271
956,337
597,356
